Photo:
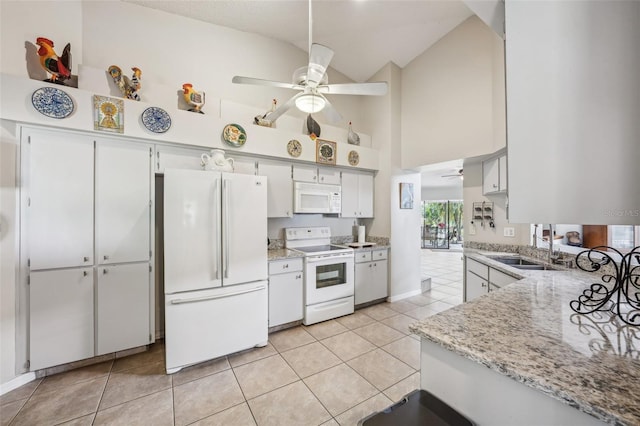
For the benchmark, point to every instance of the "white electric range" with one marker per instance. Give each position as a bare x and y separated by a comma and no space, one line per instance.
328,273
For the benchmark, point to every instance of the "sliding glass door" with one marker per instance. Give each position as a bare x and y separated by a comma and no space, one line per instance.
441,224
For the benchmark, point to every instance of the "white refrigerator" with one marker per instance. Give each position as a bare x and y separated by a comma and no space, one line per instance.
215,265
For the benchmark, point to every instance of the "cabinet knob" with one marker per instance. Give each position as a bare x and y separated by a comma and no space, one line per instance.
314,178
104,271
369,265
105,257
322,178
298,277
494,185
86,258
484,284
286,266
85,273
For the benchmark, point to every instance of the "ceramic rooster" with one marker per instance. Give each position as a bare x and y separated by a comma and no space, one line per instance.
262,120
58,66
313,128
352,137
129,87
193,98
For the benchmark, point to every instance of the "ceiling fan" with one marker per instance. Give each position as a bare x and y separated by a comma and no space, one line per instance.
460,174
313,84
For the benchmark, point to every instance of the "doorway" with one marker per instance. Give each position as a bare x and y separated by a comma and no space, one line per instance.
442,224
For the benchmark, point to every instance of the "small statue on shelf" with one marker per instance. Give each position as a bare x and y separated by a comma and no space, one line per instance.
129,87
352,137
59,67
312,128
194,99
263,120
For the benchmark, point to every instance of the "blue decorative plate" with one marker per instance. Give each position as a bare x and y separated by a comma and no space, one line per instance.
156,119
52,102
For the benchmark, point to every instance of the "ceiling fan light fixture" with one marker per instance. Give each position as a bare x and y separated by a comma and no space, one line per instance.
310,103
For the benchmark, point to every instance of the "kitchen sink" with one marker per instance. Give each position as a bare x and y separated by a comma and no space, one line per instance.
520,263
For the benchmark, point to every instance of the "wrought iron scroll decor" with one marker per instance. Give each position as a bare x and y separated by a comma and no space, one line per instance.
619,293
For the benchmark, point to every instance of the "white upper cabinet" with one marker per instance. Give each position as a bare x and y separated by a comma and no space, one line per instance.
573,97
357,195
60,204
279,188
494,175
171,157
305,173
244,165
123,201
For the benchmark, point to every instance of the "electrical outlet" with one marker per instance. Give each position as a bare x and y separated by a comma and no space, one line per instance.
509,231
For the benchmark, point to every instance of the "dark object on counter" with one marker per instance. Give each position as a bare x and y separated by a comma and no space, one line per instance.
573,238
417,408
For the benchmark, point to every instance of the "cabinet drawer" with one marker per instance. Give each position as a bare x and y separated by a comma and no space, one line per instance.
500,279
285,265
478,268
363,256
379,254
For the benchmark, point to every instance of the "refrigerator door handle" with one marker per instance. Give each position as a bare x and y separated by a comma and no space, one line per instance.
225,232
216,228
221,296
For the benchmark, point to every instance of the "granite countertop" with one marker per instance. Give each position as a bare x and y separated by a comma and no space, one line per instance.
528,332
278,254
376,247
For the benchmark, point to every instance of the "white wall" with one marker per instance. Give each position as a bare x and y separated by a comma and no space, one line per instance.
472,192
450,96
442,193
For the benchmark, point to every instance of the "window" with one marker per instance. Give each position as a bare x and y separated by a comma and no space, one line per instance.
624,237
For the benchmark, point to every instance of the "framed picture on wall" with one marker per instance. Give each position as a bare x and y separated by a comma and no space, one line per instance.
406,195
326,152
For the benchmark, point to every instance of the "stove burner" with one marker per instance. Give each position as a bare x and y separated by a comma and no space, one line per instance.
323,248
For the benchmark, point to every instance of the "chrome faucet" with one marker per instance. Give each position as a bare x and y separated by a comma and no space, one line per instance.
552,255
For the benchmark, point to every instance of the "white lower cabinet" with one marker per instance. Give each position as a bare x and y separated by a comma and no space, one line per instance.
482,279
370,275
286,283
60,316
122,307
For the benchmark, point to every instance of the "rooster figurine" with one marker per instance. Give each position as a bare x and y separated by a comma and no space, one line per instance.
128,87
262,120
58,66
352,137
313,128
193,98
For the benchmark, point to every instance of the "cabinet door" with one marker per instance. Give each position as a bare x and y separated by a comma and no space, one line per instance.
123,302
169,157
362,279
328,176
123,198
502,168
285,298
379,280
475,286
490,176
350,198
500,279
60,317
245,166
305,173
279,188
60,214
365,195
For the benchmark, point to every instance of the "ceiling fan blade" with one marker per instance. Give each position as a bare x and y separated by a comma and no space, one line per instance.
330,112
375,89
319,59
273,116
260,82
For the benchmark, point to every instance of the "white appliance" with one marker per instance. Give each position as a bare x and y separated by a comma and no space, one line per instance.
316,198
328,273
215,265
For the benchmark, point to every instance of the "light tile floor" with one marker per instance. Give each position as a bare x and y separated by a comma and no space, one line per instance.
335,372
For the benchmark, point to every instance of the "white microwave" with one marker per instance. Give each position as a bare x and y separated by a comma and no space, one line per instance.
316,198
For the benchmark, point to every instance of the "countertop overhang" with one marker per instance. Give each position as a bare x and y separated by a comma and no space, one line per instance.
528,332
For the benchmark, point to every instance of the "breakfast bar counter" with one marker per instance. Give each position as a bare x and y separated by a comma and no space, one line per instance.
521,355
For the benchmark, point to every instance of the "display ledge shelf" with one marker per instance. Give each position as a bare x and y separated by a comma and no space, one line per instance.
187,128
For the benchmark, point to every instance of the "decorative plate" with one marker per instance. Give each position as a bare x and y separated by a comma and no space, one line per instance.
294,148
156,119
354,158
234,135
52,102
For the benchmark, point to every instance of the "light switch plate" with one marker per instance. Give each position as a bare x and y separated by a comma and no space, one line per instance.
509,231
472,229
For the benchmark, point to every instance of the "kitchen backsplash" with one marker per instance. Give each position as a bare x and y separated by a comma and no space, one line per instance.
276,243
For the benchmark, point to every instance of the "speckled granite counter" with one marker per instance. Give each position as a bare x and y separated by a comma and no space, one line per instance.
277,254
528,332
376,247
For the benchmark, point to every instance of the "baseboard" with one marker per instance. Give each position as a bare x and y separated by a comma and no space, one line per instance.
404,295
16,382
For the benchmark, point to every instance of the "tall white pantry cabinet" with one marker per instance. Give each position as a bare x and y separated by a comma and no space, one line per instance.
86,238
